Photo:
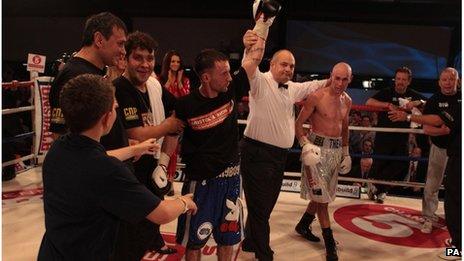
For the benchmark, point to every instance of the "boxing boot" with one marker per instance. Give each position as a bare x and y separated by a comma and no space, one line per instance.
304,227
330,246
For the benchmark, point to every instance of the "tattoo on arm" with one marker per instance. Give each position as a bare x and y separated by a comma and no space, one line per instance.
255,49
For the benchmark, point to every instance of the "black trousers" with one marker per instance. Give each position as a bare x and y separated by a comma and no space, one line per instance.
262,169
391,144
133,240
453,198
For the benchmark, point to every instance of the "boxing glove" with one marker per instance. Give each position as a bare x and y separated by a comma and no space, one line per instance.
345,166
264,12
159,175
310,154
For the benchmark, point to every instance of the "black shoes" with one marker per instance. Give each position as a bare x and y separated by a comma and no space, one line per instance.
247,247
306,232
167,251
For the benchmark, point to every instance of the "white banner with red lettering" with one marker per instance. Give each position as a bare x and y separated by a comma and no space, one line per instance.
43,138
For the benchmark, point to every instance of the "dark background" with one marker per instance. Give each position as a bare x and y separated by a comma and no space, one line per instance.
51,27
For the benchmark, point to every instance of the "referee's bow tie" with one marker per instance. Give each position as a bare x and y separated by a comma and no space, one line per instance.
283,85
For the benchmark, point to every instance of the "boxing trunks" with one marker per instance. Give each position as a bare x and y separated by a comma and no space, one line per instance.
320,184
219,211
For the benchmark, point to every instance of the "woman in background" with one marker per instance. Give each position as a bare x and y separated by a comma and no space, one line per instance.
173,79
172,75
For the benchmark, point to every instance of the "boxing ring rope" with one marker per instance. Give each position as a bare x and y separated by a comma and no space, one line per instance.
16,110
17,84
359,128
373,156
18,160
13,85
386,182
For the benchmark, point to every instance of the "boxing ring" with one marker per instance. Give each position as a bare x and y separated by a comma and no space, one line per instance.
364,230
39,89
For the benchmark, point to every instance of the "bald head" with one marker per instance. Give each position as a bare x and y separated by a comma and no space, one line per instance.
448,81
282,66
281,54
343,68
340,77
451,71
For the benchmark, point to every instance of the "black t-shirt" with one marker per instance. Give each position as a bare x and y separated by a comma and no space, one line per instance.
453,119
136,112
116,138
386,139
74,67
210,139
438,104
86,193
391,96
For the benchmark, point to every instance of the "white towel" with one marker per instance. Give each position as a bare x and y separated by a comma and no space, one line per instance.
157,108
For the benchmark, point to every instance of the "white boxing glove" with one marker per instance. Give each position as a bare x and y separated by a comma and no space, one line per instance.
415,111
264,13
345,166
159,175
310,154
402,102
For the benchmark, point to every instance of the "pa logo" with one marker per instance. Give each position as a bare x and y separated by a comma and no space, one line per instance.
452,251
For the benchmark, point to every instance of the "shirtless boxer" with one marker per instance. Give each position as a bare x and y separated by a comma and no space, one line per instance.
324,152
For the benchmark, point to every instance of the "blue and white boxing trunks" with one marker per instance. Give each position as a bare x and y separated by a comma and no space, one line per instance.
219,211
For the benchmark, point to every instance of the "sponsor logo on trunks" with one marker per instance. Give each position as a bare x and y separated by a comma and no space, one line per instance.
391,224
211,119
204,230
229,227
130,114
231,219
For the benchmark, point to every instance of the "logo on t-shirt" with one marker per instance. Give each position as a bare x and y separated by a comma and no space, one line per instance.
130,114
147,119
57,116
443,105
211,119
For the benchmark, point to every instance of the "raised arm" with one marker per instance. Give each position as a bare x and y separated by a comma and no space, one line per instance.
254,41
254,51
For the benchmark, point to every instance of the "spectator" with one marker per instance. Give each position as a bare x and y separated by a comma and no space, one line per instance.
117,69
83,208
172,78
367,147
393,144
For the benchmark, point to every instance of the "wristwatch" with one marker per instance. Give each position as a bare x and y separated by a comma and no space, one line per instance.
185,204
408,118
